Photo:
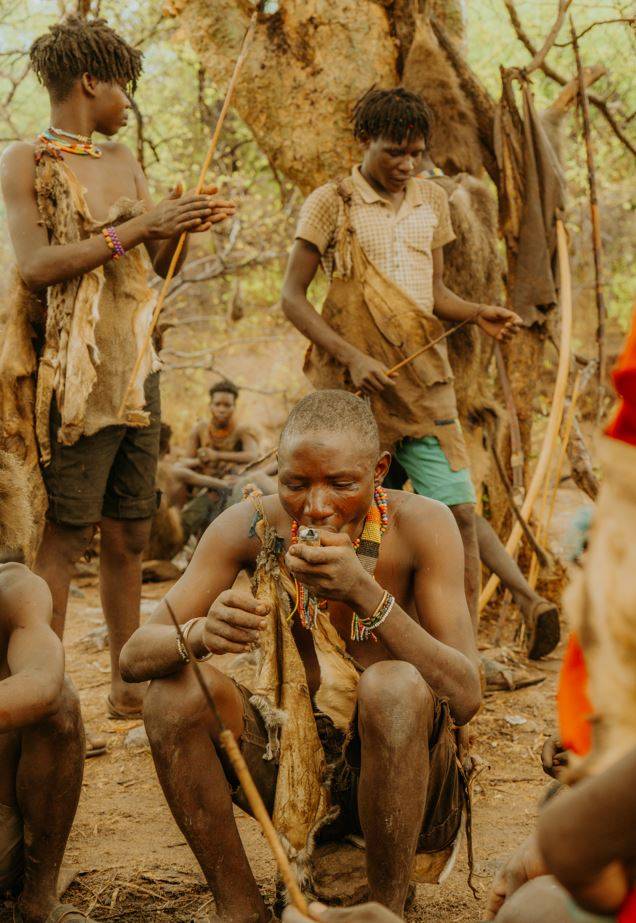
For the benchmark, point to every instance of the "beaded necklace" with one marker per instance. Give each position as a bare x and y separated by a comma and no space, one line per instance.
220,432
56,139
367,548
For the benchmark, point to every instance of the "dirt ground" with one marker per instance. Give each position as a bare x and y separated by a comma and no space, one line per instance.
132,861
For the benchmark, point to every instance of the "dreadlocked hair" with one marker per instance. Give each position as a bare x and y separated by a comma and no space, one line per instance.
396,114
80,46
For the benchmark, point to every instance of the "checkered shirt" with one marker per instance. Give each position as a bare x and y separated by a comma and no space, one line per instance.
400,244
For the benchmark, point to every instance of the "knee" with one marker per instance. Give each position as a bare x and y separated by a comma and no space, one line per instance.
174,704
68,542
394,700
127,539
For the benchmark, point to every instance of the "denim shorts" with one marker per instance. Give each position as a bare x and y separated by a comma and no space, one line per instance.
111,473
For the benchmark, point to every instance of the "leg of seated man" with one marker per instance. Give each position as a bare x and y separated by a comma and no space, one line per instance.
48,786
395,720
543,900
184,740
10,819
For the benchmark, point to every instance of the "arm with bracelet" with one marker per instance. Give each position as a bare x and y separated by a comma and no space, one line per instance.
434,634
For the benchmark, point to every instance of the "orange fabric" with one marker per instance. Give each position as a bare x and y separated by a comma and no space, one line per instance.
623,426
573,704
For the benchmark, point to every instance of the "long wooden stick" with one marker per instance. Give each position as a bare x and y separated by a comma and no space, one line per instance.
391,371
247,41
547,509
595,221
229,744
516,455
509,491
556,409
418,352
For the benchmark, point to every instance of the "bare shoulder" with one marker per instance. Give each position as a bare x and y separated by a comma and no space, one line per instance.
230,537
427,525
119,150
18,160
23,595
198,428
122,155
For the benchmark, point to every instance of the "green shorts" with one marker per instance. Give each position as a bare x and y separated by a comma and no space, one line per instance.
111,473
430,473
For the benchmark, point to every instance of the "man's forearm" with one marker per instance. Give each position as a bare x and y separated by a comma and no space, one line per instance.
194,479
570,826
221,455
448,672
60,263
449,306
26,699
153,652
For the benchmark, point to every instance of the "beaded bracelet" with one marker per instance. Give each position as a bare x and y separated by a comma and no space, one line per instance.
362,629
114,243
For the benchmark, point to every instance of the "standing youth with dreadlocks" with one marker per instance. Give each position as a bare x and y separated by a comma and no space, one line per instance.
380,236
78,214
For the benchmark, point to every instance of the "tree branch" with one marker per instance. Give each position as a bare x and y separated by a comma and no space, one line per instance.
627,20
216,267
596,101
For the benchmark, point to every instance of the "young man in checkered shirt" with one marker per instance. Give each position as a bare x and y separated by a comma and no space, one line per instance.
402,226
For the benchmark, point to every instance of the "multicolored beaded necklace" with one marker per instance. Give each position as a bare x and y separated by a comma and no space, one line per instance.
367,548
59,140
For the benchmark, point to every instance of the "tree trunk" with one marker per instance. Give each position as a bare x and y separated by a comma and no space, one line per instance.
310,61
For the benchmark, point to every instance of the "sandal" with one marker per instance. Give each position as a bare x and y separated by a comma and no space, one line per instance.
95,746
543,631
497,677
117,713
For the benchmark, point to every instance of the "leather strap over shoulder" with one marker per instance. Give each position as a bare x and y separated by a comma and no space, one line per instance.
344,188
257,500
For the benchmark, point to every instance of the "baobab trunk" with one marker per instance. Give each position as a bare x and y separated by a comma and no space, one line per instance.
309,62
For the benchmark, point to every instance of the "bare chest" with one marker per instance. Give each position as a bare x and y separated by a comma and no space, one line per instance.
105,181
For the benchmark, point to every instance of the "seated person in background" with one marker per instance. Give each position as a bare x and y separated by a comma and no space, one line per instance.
41,732
379,657
216,450
221,445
